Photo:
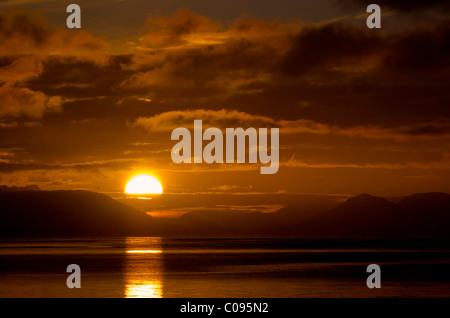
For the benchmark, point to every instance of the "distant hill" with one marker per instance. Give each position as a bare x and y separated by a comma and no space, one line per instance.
84,213
68,213
425,214
418,215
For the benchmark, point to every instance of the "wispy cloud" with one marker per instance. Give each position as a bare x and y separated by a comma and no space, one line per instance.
233,118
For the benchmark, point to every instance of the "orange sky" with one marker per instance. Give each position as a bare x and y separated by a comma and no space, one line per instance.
359,110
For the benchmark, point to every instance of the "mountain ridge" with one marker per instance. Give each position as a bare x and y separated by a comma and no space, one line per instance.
85,213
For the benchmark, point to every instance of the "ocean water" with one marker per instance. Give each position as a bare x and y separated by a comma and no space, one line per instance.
157,267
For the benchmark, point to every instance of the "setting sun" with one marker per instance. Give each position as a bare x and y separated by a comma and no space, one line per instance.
143,184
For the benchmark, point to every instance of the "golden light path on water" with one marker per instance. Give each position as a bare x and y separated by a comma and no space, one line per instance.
144,268
143,252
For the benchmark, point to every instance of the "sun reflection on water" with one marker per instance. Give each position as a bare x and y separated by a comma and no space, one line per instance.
143,251
143,278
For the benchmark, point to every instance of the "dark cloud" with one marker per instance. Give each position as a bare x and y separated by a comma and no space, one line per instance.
420,49
330,45
26,32
164,31
73,78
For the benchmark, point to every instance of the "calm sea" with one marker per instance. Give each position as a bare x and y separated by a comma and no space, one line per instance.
170,267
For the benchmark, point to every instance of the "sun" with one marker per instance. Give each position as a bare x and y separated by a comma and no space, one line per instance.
143,184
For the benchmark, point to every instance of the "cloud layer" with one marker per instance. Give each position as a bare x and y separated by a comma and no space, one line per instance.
26,43
344,97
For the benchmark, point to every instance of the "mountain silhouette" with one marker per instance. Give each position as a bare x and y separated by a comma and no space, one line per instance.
418,215
358,216
84,213
425,214
67,213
